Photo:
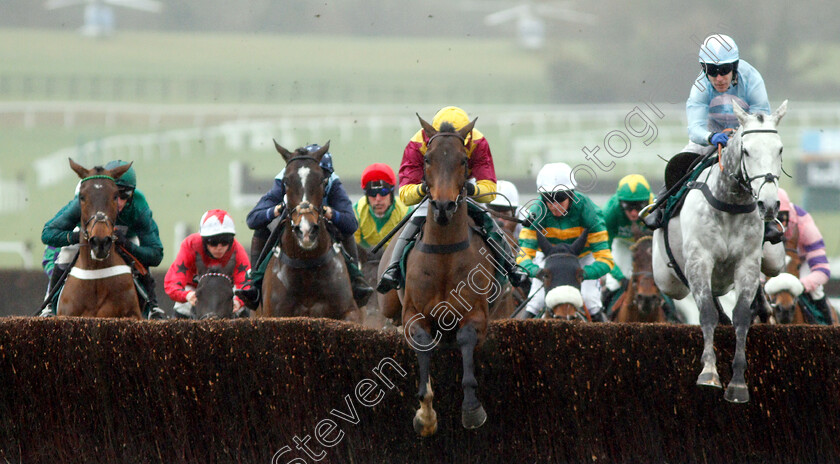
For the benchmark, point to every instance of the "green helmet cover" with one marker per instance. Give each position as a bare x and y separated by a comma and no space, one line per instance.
129,179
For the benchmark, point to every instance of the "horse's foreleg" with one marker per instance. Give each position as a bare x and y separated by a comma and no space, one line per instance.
472,413
737,391
702,291
425,419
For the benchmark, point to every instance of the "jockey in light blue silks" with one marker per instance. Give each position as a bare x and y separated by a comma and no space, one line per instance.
724,80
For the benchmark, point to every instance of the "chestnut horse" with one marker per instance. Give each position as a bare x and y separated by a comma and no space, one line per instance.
562,277
785,290
100,284
214,291
306,276
448,284
641,301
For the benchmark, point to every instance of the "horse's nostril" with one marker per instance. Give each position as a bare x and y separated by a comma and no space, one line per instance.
450,206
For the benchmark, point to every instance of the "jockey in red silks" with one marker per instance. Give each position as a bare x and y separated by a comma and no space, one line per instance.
215,245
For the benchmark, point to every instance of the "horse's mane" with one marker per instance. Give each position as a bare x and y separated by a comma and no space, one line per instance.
447,126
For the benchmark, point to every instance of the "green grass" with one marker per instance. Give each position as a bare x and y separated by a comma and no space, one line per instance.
205,69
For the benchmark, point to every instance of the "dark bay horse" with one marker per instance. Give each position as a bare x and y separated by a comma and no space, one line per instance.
306,276
511,296
448,284
562,277
374,318
641,301
100,284
214,291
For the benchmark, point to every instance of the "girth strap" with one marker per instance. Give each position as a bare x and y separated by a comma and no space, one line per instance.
730,208
306,263
444,249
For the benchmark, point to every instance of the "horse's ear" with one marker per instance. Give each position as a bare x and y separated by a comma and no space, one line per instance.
545,245
321,151
427,128
740,113
231,264
779,113
78,169
200,268
580,242
465,131
283,152
118,171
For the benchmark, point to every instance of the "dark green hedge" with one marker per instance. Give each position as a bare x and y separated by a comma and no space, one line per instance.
119,391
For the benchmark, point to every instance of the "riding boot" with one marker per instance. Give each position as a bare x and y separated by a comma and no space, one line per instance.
656,218
249,293
361,290
772,233
153,310
55,282
822,307
392,279
598,317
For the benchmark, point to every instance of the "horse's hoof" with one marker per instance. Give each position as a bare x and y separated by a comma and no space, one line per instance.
709,379
737,393
422,429
473,419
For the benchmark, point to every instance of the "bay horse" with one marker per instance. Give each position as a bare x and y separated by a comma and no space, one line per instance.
641,301
447,289
100,284
374,318
511,296
717,238
214,290
562,277
306,275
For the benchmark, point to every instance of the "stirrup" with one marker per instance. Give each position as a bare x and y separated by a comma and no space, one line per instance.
157,314
47,312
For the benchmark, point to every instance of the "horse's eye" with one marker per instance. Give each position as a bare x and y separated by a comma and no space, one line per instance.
427,160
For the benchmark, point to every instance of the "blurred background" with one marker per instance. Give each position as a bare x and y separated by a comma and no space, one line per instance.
193,92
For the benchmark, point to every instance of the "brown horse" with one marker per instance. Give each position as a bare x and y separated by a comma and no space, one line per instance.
306,276
214,291
100,284
511,296
562,277
783,291
447,288
370,268
641,301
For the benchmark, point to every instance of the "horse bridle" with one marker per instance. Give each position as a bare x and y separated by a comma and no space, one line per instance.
743,178
306,207
462,196
99,216
216,274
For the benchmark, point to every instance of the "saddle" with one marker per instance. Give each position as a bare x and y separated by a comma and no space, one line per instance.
681,171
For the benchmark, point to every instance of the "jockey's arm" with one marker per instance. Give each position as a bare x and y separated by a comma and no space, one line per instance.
150,250
58,231
812,247
528,246
482,169
180,274
597,243
697,113
342,216
263,212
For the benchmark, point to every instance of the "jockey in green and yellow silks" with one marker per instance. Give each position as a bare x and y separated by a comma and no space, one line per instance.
621,216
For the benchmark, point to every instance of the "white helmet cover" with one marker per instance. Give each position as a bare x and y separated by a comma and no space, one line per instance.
555,177
511,195
216,222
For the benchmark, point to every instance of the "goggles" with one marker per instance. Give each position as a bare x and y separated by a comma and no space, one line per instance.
556,197
225,240
378,187
713,70
125,193
633,205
